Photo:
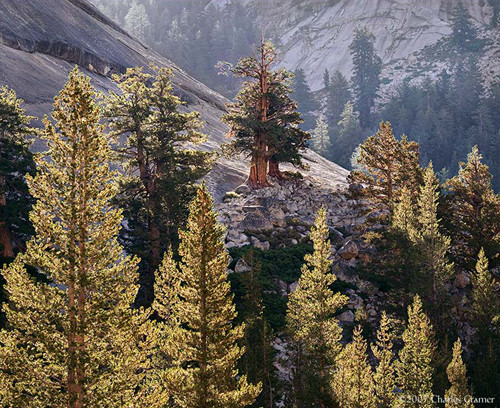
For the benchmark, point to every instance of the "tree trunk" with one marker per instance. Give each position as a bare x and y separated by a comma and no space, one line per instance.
5,235
258,169
274,170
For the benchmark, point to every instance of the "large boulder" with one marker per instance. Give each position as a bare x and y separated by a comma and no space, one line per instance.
349,250
258,218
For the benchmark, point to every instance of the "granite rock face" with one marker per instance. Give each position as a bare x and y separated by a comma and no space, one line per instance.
315,35
42,40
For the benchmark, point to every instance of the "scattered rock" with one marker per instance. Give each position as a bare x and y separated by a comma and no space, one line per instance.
241,266
257,220
349,250
243,189
462,280
347,317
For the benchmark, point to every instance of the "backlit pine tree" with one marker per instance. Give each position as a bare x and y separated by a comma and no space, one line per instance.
161,166
137,21
385,376
485,304
321,138
432,246
458,395
264,121
315,332
414,368
257,362
352,383
207,346
15,161
473,211
386,165
72,339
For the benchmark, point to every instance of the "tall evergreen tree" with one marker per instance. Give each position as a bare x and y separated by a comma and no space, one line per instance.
73,340
366,73
464,33
15,161
137,21
458,395
433,247
385,376
473,211
207,351
315,333
326,79
257,362
338,94
414,368
161,167
264,120
404,217
386,166
352,382
321,139
348,135
305,99
486,304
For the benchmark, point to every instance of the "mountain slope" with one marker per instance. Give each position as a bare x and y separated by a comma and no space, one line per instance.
315,34
41,40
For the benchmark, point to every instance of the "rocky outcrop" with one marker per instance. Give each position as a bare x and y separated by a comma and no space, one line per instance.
283,214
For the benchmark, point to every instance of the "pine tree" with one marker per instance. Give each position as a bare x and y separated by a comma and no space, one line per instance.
352,383
366,76
73,339
315,333
257,362
321,139
495,18
337,97
386,166
326,79
15,161
348,135
385,376
137,21
206,352
473,211
404,217
414,368
161,167
485,305
264,120
464,33
458,395
433,247
305,99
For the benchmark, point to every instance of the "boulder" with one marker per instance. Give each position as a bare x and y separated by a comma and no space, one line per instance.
257,220
347,317
241,266
243,189
462,280
293,286
349,250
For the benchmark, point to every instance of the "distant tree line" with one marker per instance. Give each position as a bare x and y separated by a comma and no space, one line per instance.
191,33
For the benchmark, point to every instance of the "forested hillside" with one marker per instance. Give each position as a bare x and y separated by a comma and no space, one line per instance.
443,91
163,246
